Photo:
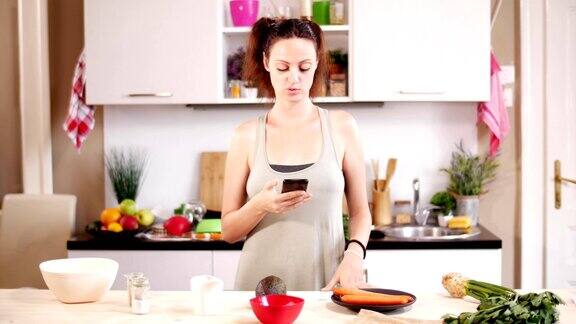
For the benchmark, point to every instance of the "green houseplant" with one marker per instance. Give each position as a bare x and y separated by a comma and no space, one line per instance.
338,61
444,200
125,169
468,175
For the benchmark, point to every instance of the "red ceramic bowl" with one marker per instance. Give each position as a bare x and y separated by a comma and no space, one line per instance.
277,309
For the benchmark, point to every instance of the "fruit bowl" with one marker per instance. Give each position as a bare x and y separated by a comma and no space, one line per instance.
95,229
79,280
277,309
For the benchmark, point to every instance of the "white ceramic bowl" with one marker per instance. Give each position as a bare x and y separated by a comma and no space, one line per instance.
79,280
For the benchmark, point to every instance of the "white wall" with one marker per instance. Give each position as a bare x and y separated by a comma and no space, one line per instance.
420,135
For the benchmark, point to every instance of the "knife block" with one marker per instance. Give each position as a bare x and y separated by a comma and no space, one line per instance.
381,207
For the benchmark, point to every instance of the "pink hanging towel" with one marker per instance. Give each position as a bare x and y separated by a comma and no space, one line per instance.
80,119
493,113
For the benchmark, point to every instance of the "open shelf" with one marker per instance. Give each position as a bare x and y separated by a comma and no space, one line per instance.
241,101
325,28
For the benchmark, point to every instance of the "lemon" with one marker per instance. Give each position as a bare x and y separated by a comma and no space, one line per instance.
115,227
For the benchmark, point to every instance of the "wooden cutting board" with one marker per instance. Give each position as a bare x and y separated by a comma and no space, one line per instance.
212,179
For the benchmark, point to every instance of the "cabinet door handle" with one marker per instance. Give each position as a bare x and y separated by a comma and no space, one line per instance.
410,92
157,94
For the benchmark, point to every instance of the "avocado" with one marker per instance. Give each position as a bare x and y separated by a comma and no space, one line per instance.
271,285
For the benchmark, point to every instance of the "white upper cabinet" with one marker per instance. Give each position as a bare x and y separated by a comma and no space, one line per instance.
151,51
420,50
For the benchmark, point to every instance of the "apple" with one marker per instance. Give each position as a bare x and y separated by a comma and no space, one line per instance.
177,225
129,223
145,217
128,207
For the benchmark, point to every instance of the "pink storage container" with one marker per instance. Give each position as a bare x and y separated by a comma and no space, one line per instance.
244,12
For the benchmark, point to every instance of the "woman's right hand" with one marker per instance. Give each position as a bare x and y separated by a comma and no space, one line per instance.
269,201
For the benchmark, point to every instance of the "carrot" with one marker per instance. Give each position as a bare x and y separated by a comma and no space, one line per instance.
216,236
341,291
349,291
375,300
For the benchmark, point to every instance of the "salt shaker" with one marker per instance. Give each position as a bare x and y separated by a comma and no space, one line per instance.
129,277
140,295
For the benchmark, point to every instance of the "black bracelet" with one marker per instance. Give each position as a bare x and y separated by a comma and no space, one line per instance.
359,243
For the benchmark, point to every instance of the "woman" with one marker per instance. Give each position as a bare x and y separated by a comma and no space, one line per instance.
297,236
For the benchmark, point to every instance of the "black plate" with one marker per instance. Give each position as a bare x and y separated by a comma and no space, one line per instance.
379,308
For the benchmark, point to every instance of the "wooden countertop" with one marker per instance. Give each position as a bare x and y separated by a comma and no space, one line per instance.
35,305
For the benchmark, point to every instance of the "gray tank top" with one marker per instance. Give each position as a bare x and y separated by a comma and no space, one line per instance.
304,246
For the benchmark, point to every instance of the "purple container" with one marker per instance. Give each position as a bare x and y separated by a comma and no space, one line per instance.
244,12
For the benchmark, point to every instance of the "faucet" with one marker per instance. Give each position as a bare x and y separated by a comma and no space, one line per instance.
420,214
416,202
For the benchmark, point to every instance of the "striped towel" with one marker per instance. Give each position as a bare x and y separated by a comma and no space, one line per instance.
80,119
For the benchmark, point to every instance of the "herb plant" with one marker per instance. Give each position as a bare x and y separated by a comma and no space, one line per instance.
444,200
126,171
469,173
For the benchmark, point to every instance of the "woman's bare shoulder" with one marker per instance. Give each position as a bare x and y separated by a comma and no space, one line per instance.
342,121
243,141
246,132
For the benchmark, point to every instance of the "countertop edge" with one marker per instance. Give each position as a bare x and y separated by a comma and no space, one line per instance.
486,240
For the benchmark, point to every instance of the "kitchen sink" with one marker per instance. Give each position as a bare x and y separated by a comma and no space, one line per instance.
429,233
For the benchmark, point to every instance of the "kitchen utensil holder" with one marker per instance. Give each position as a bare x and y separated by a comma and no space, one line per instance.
381,207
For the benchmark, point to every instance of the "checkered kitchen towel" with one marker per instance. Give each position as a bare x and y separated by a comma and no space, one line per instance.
80,119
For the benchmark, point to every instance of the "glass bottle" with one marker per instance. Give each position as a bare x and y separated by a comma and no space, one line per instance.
140,295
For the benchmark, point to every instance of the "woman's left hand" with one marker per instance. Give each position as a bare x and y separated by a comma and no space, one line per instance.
349,273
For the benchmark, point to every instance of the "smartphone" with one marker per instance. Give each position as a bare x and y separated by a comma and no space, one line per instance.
294,185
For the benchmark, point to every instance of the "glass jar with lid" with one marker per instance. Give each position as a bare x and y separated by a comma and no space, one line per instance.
337,85
129,278
402,212
321,12
336,12
140,295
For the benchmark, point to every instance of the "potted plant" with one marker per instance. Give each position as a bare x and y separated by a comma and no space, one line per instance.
234,64
126,171
444,200
469,174
338,61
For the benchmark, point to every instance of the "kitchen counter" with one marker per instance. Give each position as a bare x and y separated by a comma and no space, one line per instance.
485,240
33,305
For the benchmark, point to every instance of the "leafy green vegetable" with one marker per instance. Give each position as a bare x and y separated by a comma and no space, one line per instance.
346,223
500,304
444,200
180,209
527,308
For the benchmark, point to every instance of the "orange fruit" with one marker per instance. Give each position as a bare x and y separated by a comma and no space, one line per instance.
110,215
115,227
